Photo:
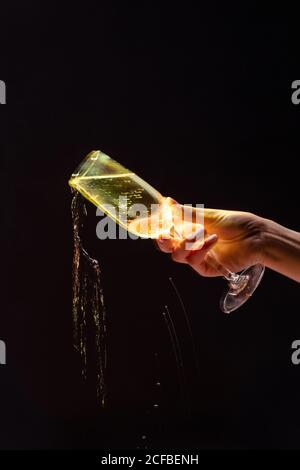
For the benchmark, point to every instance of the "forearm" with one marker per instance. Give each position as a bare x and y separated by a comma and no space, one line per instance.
281,249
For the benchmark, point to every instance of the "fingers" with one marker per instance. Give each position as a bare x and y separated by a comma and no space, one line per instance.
196,252
165,244
192,249
192,242
197,258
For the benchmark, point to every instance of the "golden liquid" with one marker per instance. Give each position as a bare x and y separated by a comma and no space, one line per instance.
105,191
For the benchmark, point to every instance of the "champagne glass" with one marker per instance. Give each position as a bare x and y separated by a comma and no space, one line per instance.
144,212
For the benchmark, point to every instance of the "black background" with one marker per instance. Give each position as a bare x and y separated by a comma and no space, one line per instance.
198,103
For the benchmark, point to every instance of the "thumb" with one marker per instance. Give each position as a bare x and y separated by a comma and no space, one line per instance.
209,216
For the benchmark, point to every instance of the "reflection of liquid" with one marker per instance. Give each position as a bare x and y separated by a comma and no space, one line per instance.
125,200
89,328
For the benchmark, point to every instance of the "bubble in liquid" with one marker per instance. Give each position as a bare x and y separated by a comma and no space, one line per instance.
155,406
158,384
144,437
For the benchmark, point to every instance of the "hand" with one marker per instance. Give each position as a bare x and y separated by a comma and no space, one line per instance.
235,236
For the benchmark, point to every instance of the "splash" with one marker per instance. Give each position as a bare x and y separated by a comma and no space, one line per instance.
88,309
177,355
188,324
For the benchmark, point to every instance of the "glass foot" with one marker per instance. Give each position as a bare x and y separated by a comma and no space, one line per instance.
242,289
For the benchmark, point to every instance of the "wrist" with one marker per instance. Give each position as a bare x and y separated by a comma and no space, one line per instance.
264,231
259,230
280,248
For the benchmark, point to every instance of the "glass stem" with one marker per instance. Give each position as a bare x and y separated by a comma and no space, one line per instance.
231,277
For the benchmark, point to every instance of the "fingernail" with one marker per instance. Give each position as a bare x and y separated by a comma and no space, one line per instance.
163,238
211,239
196,235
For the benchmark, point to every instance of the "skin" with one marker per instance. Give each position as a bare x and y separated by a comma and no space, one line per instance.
239,240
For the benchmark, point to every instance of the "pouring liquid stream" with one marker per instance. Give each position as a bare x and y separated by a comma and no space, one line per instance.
88,309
